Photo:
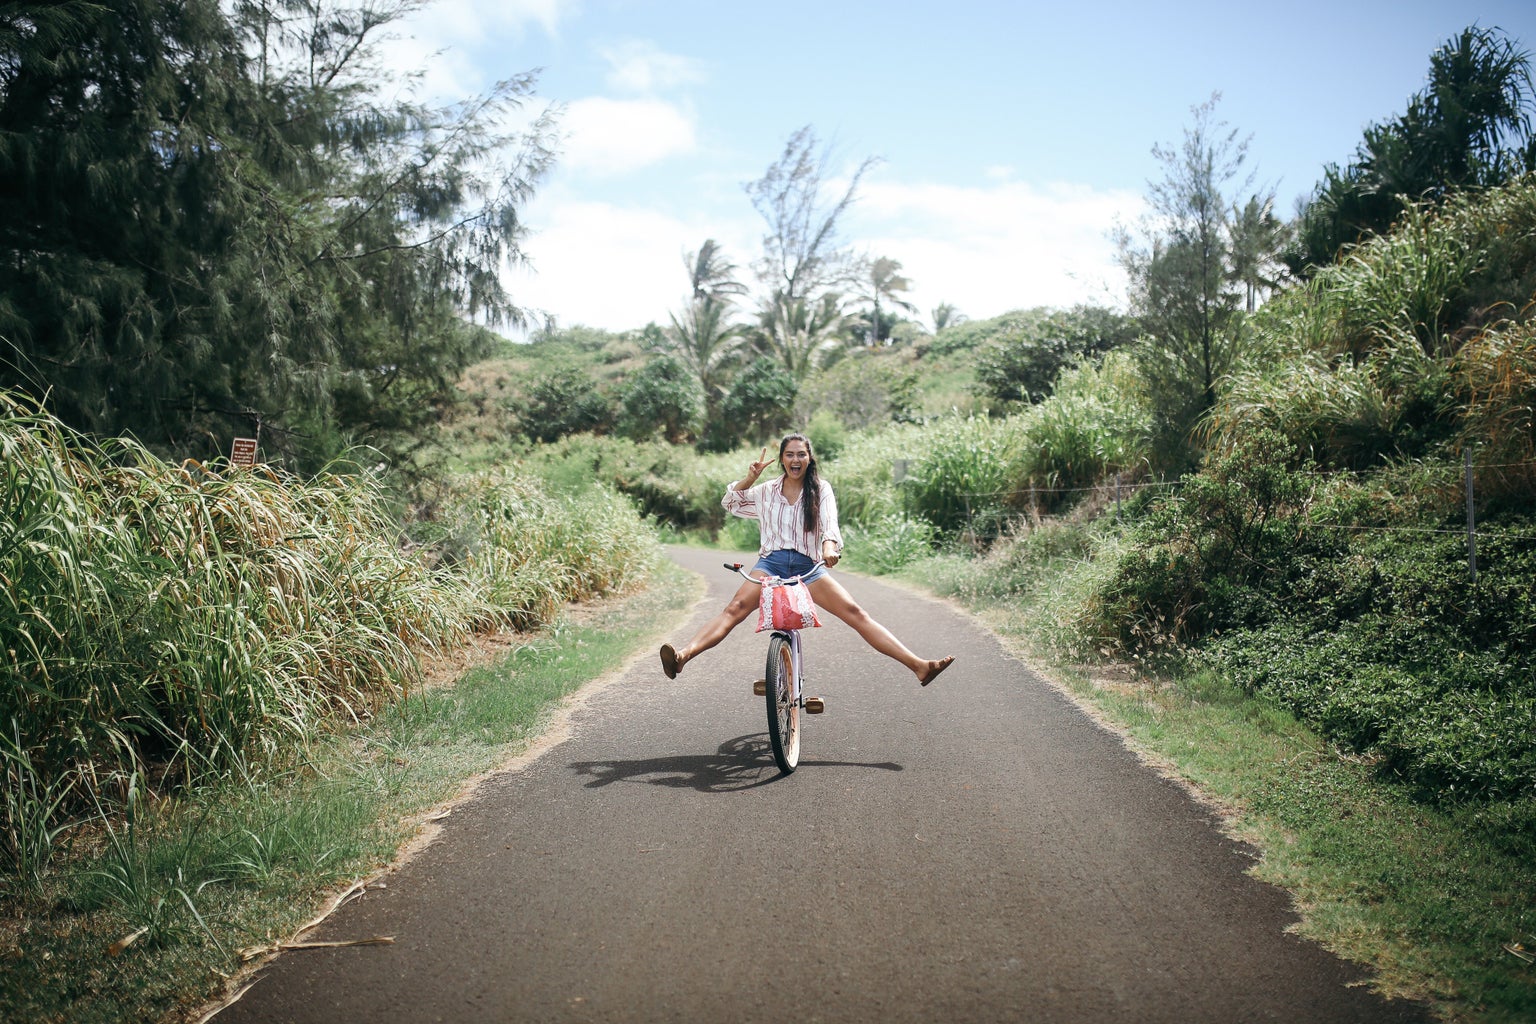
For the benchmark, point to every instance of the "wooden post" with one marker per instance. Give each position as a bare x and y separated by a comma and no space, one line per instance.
1471,523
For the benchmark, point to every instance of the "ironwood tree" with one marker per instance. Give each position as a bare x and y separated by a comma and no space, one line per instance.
217,220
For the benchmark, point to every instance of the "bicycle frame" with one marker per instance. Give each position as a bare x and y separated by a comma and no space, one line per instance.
784,715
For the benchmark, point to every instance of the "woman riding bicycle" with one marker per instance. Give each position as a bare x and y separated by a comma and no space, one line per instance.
797,523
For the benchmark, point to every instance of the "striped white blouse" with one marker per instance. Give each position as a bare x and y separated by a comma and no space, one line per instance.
780,524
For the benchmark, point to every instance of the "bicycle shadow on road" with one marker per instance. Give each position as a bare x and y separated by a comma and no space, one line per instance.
745,762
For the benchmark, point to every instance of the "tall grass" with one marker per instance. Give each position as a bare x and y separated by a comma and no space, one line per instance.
1096,423
1496,374
1413,347
1435,281
179,624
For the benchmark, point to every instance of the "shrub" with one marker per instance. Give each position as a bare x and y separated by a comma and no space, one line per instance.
864,389
180,623
1209,556
1096,424
1496,377
1022,363
664,399
965,474
889,543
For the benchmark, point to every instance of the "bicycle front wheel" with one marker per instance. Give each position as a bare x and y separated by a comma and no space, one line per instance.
783,707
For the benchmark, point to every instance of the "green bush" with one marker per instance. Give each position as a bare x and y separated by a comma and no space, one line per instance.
670,483
1213,554
177,624
889,543
965,474
1096,424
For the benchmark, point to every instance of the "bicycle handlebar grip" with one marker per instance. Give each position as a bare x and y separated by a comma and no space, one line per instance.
733,568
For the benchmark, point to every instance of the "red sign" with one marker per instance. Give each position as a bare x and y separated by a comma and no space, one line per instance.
245,452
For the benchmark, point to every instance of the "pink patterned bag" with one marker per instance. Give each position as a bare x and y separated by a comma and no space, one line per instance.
786,604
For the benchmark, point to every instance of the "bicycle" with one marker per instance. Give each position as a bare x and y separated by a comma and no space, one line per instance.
782,688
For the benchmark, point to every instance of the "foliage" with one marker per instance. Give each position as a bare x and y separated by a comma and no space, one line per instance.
881,279
1470,127
864,469
946,315
1021,364
964,335
965,474
181,623
758,405
1312,591
1183,282
1391,353
1210,556
704,337
711,276
800,332
891,542
672,484
566,401
828,434
1496,375
222,220
1345,415
1096,425
1390,650
865,389
662,399
707,342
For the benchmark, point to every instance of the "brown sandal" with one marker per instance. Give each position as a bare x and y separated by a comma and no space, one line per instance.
669,663
933,673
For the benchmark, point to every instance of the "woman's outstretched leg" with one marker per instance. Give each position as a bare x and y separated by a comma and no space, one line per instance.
742,604
830,595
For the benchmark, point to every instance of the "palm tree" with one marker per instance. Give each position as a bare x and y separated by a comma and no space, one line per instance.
1257,238
882,279
1470,127
946,315
711,275
795,331
707,342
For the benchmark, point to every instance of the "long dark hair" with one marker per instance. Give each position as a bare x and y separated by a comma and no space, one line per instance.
810,494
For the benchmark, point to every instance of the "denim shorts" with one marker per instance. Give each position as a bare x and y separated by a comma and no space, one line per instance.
787,564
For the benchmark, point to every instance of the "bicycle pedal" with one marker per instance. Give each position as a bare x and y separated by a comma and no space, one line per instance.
760,687
815,705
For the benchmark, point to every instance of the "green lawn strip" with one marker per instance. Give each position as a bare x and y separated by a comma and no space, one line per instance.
1425,896
248,865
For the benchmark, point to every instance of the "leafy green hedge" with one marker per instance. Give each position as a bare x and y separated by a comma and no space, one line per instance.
1355,611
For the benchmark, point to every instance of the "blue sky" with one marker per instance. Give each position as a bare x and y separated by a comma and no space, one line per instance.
1013,137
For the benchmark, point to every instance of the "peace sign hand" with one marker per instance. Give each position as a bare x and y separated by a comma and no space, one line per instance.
762,463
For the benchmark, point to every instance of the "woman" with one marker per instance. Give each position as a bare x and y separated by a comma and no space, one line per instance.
797,522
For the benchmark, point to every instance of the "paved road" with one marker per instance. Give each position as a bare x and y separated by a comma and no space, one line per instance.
975,851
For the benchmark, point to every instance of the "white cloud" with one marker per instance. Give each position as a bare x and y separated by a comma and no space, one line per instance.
436,39
639,66
467,20
985,250
610,137
1004,246
608,266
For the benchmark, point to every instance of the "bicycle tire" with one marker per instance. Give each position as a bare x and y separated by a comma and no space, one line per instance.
783,709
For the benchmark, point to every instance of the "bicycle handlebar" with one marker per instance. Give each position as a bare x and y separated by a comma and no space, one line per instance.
740,570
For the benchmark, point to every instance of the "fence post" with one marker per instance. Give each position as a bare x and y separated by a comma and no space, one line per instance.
1471,523
1117,497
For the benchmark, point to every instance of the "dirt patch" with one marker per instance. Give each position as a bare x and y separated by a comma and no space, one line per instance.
478,651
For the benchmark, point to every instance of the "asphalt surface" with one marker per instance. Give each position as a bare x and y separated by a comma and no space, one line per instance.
978,850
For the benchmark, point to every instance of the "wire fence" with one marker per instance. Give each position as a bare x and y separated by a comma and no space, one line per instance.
988,514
